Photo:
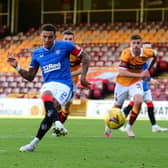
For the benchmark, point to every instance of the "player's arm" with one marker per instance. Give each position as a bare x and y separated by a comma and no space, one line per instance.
154,58
126,73
85,60
123,71
76,72
28,75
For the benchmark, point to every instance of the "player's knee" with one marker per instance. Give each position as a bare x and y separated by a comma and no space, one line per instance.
57,105
65,111
138,99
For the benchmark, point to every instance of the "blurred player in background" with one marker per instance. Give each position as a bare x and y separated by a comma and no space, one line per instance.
129,79
57,90
75,72
147,98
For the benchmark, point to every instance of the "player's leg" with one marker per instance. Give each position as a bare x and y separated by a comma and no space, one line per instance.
151,114
62,94
63,115
121,94
148,100
128,108
126,111
51,115
64,112
135,91
51,93
155,127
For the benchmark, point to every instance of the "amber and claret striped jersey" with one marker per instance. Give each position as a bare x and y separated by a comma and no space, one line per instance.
133,64
75,65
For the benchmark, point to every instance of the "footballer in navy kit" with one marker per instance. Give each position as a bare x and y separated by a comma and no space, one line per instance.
57,89
55,62
55,66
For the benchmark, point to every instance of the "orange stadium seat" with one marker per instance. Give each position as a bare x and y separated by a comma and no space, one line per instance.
104,42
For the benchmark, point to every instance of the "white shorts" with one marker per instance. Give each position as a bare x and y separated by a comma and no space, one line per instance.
122,93
147,96
62,93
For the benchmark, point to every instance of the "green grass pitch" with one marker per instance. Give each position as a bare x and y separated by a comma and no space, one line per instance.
84,147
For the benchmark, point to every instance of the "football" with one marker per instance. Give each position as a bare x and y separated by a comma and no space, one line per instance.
114,118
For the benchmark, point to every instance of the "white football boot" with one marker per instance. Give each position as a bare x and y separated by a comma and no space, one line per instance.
27,148
31,146
59,129
157,128
107,132
129,131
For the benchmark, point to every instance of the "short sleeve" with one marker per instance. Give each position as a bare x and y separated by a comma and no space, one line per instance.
123,60
124,57
74,50
34,62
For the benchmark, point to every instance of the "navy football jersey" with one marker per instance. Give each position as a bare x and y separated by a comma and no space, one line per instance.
55,62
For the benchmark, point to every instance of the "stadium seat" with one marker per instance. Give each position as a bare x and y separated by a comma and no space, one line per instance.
163,65
110,87
97,93
104,42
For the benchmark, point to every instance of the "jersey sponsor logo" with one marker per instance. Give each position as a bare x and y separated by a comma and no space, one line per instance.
51,67
41,55
57,52
135,66
130,66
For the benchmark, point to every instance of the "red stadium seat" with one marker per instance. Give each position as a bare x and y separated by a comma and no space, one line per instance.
110,87
97,93
163,65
